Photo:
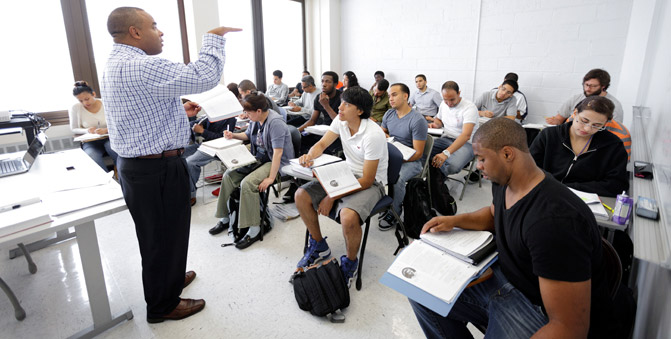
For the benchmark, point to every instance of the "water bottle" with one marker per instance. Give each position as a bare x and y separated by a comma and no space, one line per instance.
623,207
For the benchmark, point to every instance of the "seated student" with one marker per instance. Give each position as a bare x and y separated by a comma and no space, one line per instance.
408,127
522,109
88,116
425,100
582,154
366,153
278,91
247,86
550,278
233,87
298,90
498,102
349,80
325,110
271,145
459,118
380,101
196,159
305,104
595,82
379,75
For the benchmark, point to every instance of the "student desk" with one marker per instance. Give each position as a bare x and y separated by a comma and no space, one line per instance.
84,223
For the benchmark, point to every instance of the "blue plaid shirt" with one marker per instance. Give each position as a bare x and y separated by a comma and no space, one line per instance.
141,95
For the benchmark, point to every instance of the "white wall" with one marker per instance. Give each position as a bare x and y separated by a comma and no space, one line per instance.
550,44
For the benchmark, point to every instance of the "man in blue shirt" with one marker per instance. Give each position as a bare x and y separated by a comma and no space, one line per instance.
149,128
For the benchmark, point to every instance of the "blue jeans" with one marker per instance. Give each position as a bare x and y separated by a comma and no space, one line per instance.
494,303
408,171
193,164
457,160
97,149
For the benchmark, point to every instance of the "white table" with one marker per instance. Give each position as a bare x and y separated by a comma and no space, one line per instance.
44,170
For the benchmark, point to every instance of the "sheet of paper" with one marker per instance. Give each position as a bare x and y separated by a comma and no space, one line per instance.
218,103
58,203
432,270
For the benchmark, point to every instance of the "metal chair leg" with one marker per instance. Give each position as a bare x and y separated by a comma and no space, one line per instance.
362,251
19,312
32,268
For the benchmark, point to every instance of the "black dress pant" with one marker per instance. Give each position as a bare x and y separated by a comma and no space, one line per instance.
157,194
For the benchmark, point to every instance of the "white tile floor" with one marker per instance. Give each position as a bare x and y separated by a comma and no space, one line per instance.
247,292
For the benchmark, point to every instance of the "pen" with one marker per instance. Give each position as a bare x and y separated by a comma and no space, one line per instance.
608,208
9,208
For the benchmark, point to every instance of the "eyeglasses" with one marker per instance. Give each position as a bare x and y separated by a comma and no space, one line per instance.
591,86
585,122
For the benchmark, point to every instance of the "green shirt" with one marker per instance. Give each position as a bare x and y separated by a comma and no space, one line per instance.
380,106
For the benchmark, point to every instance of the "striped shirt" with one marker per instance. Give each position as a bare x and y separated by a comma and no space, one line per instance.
141,95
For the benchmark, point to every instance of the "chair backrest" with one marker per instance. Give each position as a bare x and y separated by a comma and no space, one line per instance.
394,164
295,139
613,267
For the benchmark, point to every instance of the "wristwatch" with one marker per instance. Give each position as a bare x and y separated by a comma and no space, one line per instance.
446,152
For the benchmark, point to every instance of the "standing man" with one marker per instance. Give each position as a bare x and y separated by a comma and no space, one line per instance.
498,102
550,280
595,82
410,129
149,127
425,100
458,118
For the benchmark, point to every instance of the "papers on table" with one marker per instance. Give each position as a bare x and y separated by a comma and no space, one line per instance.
320,161
58,203
218,103
593,202
211,147
336,178
436,131
23,218
235,156
317,129
90,137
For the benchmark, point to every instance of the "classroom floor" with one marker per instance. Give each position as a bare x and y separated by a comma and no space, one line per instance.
247,292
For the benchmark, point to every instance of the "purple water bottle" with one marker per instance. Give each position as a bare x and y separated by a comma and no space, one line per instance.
623,207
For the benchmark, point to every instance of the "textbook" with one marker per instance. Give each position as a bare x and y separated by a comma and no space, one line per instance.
406,151
235,156
336,178
467,245
322,160
218,103
593,202
23,218
432,277
436,131
211,147
317,129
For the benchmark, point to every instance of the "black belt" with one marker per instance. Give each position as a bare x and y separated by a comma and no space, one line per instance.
165,154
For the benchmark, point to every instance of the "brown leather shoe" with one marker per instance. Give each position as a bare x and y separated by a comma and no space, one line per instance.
185,308
193,201
188,278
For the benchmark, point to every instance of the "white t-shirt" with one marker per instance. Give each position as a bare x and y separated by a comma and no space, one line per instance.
81,119
368,143
454,118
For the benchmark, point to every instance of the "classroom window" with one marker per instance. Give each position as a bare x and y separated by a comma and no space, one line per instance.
35,60
240,61
283,39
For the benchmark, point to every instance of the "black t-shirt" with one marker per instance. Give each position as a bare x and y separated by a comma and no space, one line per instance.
334,102
551,233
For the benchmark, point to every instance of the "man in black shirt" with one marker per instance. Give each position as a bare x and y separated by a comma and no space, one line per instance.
550,277
326,109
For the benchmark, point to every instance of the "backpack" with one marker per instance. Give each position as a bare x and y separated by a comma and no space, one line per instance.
417,207
234,205
442,201
321,289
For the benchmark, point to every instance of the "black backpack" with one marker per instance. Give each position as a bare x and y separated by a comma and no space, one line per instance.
441,199
234,206
417,207
321,289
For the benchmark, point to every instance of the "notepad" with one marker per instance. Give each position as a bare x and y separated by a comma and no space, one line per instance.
593,202
218,103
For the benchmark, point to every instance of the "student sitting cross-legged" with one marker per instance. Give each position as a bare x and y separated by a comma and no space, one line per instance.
271,145
408,127
365,149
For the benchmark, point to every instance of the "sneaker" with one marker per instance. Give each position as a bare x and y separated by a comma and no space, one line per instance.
387,222
289,196
349,269
216,192
473,178
317,251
